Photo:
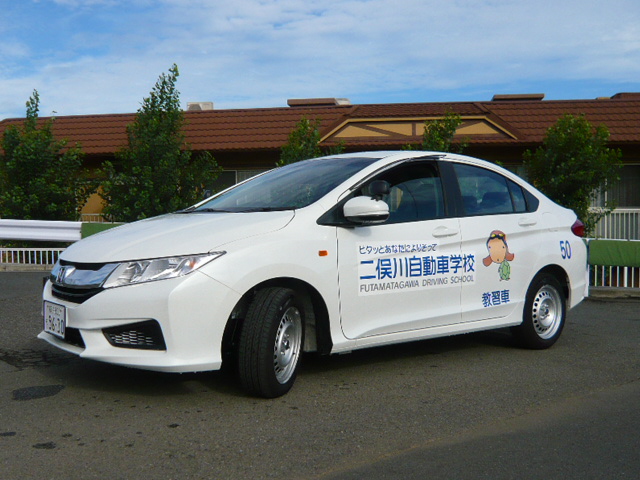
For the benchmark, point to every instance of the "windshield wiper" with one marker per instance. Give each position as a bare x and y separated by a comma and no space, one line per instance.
186,210
267,209
213,210
238,210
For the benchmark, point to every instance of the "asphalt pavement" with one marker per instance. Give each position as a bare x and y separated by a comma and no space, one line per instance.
466,407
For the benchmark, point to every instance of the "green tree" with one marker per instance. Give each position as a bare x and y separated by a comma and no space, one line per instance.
156,173
41,178
304,143
438,134
574,165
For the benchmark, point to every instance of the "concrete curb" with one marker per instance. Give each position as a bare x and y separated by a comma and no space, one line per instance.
614,293
7,267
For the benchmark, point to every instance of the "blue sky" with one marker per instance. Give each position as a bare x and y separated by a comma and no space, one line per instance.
104,56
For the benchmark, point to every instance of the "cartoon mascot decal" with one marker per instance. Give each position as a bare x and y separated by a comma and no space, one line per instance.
499,253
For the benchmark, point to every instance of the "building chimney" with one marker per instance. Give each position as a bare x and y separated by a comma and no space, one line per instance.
518,97
317,102
199,106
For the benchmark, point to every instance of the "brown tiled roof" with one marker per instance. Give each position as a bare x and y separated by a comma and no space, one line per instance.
98,134
621,116
254,129
527,120
247,129
519,121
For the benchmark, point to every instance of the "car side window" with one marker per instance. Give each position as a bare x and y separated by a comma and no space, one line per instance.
517,195
485,192
415,192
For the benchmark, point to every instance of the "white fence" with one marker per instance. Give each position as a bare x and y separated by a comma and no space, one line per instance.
92,218
621,224
43,258
617,277
35,230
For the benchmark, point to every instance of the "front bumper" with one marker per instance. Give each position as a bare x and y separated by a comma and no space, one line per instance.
190,314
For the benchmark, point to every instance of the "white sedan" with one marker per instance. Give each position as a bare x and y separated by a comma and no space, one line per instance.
326,255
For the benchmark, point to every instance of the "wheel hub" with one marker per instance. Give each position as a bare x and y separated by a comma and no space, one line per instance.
287,345
545,314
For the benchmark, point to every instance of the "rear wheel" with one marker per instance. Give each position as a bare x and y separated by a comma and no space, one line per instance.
544,313
271,342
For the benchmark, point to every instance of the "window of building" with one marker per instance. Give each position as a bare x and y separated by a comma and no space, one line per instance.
626,192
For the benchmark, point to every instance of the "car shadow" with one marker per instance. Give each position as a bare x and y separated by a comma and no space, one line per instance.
78,373
419,350
88,375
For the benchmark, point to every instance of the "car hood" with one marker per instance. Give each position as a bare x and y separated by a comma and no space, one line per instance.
173,235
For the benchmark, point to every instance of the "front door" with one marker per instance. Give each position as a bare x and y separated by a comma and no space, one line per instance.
397,276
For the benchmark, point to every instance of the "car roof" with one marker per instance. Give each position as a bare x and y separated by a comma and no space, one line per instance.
388,157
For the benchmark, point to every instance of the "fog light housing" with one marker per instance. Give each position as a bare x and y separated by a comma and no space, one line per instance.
143,335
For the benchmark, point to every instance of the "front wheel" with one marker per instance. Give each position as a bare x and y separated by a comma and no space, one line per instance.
271,342
544,313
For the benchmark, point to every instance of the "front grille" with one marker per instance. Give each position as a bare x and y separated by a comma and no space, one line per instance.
144,335
78,282
73,294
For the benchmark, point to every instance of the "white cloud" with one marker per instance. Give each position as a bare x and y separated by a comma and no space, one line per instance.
253,53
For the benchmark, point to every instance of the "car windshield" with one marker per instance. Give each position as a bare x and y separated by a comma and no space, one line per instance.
286,188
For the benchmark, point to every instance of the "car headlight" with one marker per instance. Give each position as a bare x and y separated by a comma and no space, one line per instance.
140,271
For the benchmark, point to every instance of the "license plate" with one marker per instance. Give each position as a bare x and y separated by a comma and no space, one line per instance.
55,319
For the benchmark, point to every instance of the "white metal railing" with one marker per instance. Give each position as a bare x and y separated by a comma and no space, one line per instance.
610,276
92,218
40,230
621,224
44,257
35,230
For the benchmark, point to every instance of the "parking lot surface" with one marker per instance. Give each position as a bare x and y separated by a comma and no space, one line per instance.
473,406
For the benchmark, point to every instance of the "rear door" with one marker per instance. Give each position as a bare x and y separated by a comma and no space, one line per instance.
501,227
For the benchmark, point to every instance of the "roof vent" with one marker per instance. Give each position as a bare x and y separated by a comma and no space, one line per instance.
519,97
199,106
317,102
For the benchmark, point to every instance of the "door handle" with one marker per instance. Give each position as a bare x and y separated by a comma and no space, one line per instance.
442,231
527,222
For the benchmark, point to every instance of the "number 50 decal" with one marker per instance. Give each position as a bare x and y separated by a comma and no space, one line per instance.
565,249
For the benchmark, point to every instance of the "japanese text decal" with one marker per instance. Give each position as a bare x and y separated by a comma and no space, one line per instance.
395,267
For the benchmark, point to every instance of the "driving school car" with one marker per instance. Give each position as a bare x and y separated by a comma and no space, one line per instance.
325,255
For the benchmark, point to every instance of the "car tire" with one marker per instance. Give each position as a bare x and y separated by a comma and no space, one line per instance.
271,343
544,314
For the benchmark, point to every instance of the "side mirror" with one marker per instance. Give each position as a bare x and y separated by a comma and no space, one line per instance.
366,210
